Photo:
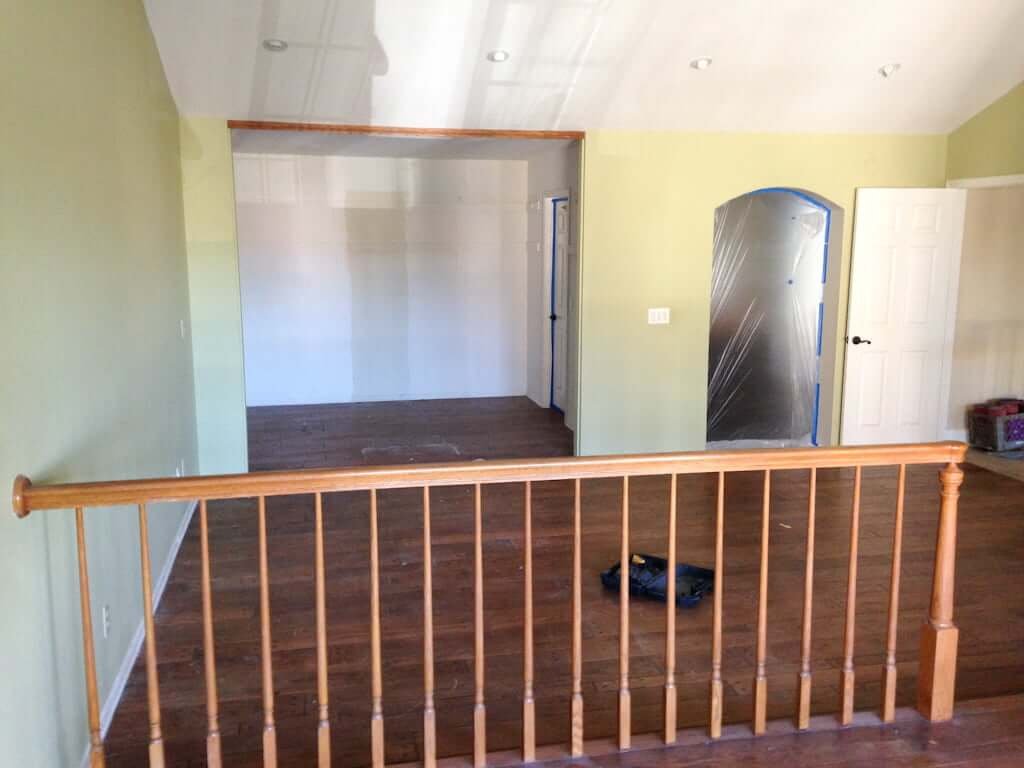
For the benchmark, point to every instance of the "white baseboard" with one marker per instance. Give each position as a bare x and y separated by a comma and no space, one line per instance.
957,434
124,671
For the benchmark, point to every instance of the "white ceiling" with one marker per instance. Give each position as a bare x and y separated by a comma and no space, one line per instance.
779,65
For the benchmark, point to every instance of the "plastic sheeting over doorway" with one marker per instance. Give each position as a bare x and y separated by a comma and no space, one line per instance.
769,270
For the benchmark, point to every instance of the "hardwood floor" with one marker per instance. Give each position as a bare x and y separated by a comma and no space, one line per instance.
346,435
986,733
990,595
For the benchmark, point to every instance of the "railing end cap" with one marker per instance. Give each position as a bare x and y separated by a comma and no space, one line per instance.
958,449
21,484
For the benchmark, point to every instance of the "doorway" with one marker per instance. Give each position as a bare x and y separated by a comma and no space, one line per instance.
773,320
391,296
988,351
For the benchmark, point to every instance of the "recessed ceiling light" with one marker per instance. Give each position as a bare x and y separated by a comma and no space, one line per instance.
498,56
702,63
274,45
889,69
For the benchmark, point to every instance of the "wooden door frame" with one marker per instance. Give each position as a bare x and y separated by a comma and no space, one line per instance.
391,130
576,215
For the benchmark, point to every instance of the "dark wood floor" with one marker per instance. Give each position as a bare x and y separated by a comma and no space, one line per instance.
353,434
990,597
985,734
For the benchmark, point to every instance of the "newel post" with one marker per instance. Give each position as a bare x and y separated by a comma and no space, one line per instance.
937,675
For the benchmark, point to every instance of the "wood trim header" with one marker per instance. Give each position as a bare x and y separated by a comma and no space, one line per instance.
386,130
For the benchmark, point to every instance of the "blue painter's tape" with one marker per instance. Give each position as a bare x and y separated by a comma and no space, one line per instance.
817,204
802,195
821,323
814,421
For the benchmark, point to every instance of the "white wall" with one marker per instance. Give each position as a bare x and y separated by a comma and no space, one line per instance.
551,172
988,354
381,278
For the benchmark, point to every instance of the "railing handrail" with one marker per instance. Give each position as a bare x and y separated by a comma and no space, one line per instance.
28,497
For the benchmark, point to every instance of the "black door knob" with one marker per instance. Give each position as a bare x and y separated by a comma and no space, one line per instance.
859,340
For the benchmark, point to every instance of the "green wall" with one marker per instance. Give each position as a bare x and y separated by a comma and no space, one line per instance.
97,380
649,201
992,142
208,189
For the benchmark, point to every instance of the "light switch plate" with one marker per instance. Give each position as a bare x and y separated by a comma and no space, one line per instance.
659,316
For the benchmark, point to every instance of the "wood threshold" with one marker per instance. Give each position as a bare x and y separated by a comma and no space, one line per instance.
390,130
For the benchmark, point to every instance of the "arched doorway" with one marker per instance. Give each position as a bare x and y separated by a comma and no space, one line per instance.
770,349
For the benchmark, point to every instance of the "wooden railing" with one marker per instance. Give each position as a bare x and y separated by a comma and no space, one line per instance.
938,637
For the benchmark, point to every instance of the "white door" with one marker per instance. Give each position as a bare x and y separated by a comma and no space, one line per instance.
559,302
902,310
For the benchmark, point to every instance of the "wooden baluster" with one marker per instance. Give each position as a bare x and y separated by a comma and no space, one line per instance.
625,727
479,708
376,683
267,667
670,620
213,756
429,724
760,676
156,739
323,730
96,757
529,724
803,717
576,717
937,677
889,673
715,719
846,678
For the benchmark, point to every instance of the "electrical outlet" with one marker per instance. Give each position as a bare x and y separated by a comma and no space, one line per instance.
181,328
106,621
659,316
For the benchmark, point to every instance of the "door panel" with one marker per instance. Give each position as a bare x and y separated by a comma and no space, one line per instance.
872,383
906,256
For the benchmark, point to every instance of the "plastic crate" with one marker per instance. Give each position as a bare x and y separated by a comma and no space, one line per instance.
991,430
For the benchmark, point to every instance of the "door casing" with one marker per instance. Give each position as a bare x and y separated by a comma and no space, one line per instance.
549,287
